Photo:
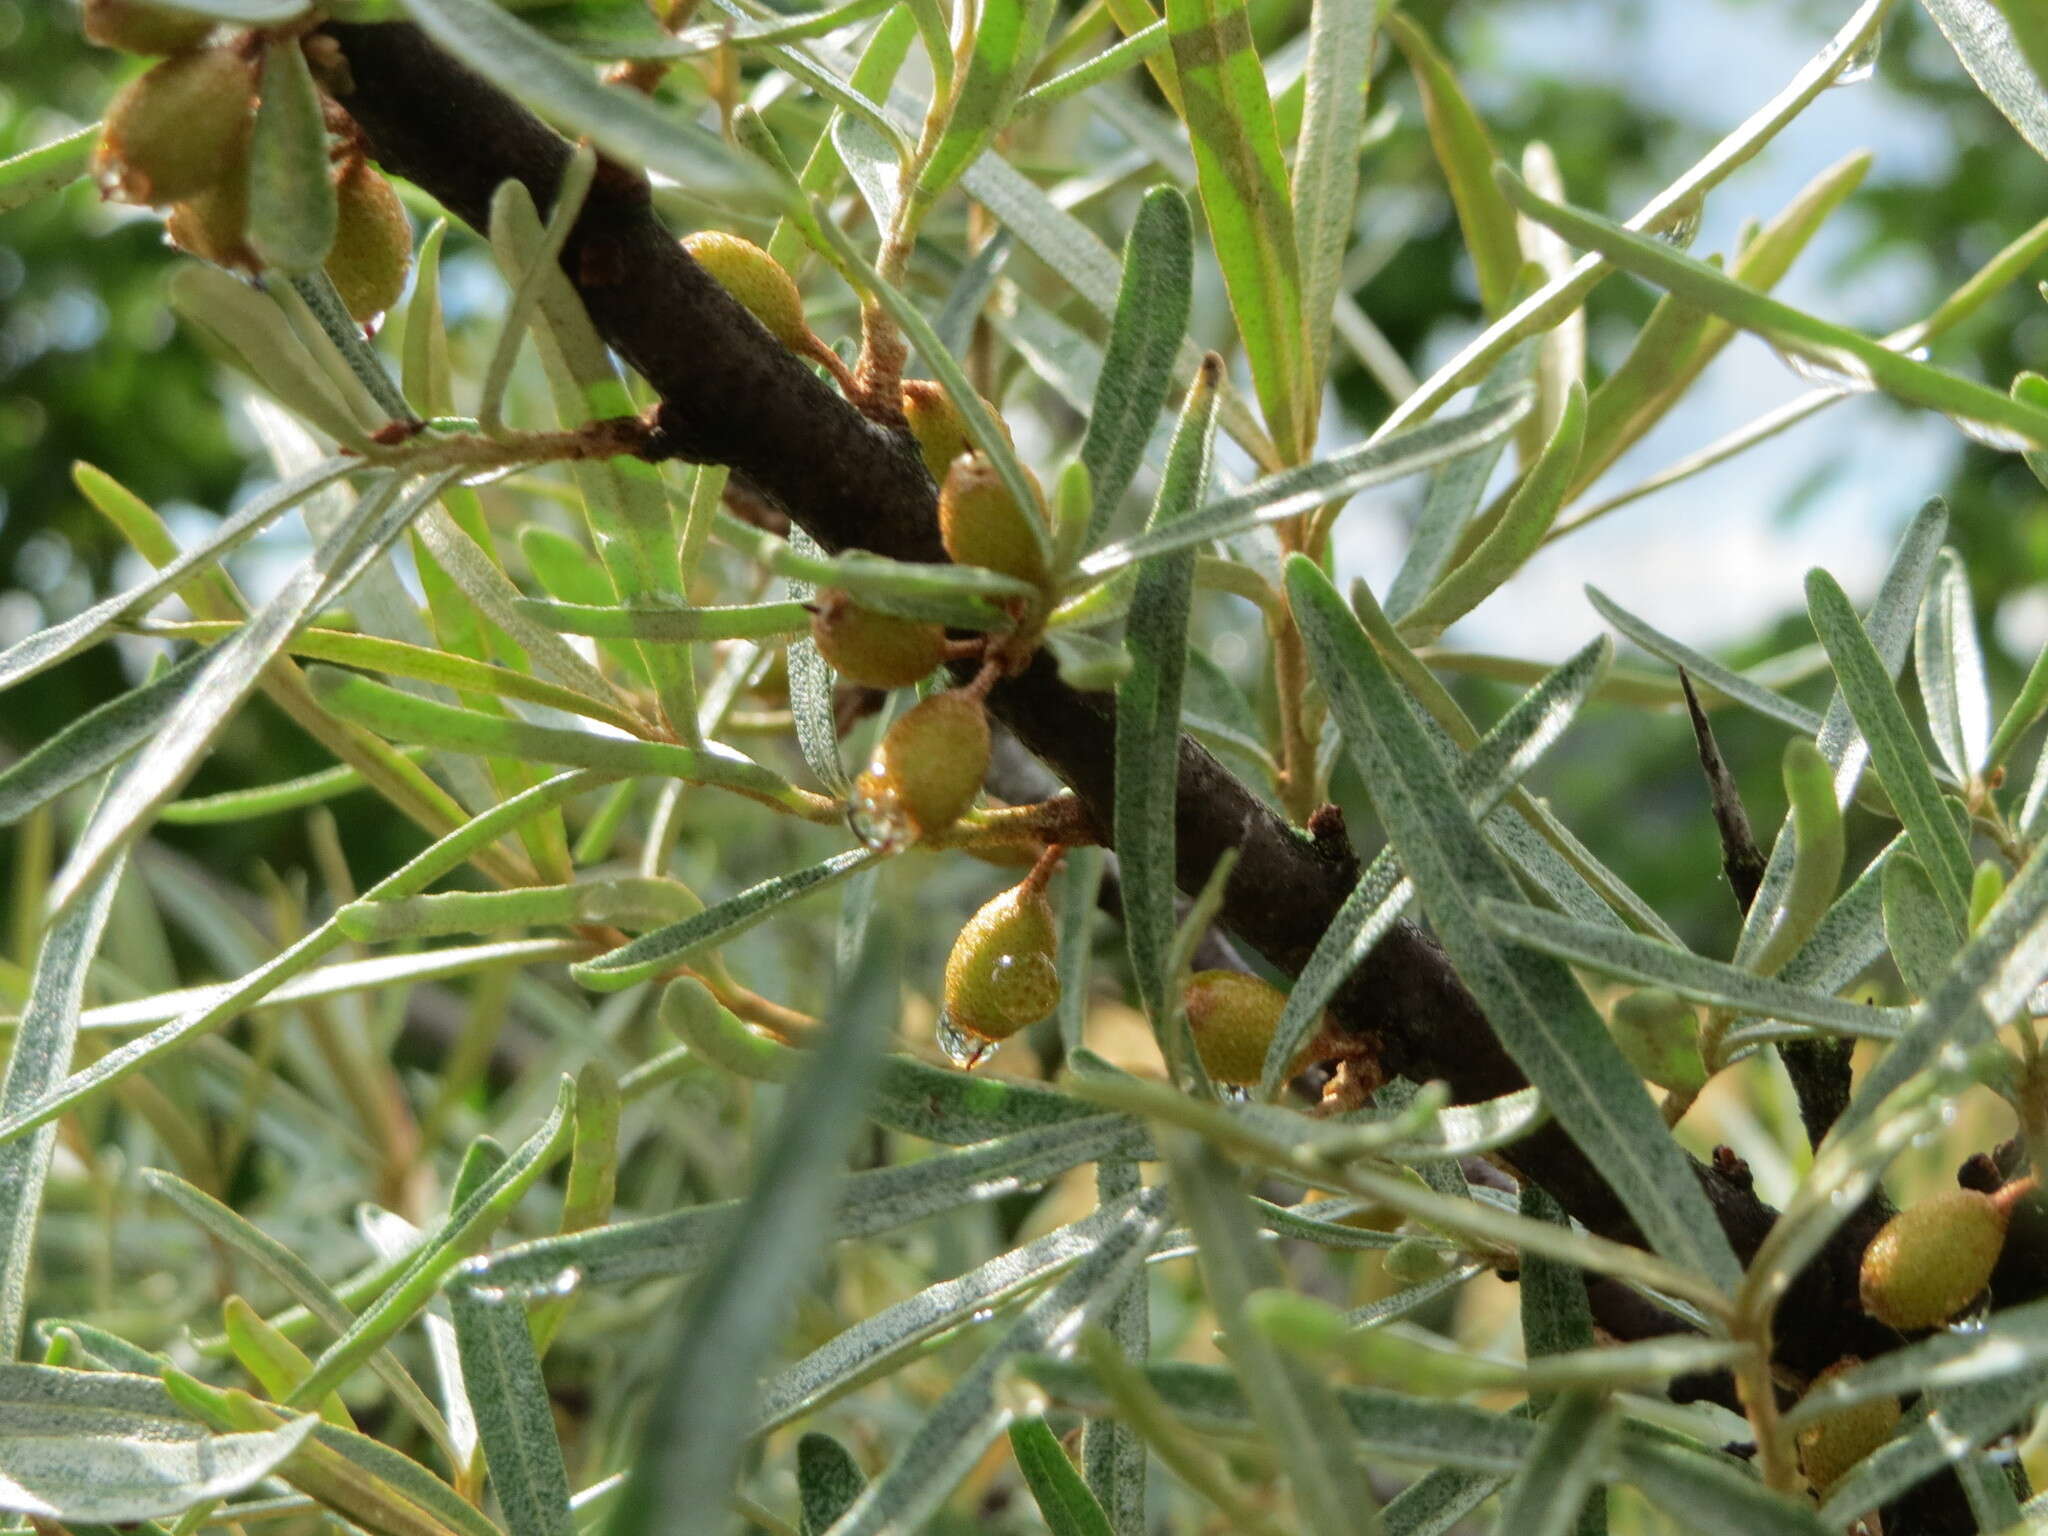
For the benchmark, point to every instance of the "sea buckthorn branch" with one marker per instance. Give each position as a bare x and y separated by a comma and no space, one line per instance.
731,395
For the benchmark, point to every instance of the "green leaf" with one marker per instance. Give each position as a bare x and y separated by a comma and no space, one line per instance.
1335,479
95,740
1706,671
1895,752
1544,1020
1518,534
1968,1416
292,211
1650,962
104,1448
1465,151
828,1481
1991,40
2027,706
1291,1402
41,1056
1009,35
652,953
1950,666
1148,707
959,1428
254,332
1145,335
47,168
1454,493
1919,930
1847,356
874,1201
1383,892
232,671
695,1430
1565,1466
812,703
1062,1497
1245,195
876,1343
1714,1495
514,1417
561,88
1325,187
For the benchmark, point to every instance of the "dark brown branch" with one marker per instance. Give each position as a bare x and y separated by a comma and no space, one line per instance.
732,396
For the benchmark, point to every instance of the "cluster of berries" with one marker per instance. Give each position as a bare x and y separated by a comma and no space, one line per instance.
177,137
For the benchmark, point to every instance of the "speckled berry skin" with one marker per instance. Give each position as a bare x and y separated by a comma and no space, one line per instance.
135,27
936,423
212,225
1232,1016
877,649
981,523
1932,1259
1834,1445
372,242
757,280
1002,974
1659,1033
930,764
178,130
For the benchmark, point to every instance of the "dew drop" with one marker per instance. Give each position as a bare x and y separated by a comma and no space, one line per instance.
876,815
965,1051
982,1315
1682,225
1839,372
1234,1093
1862,61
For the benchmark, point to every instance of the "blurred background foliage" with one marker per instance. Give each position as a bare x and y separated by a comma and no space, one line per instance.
92,367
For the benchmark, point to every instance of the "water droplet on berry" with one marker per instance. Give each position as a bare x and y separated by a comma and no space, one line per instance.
965,1051
876,815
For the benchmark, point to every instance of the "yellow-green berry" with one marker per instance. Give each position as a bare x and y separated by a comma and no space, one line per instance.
878,649
134,26
925,773
178,130
981,523
936,423
212,225
1832,1446
1003,973
1416,1261
757,280
372,241
1232,1017
1932,1259
1660,1035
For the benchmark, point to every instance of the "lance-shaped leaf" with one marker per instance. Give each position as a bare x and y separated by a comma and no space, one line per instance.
1144,338
1992,41
1062,1497
1250,209
1704,670
1325,188
292,211
1894,748
1335,479
1713,1494
515,1420
828,1480
1919,930
98,1447
1565,1466
1546,1023
961,1425
1382,894
1836,351
1950,666
1967,1416
695,1430
1465,151
1008,37
1148,705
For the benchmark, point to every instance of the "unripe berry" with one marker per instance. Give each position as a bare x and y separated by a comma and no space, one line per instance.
877,649
925,773
179,129
757,280
1002,973
136,27
1835,1444
936,423
1232,1017
981,523
212,225
1932,1259
372,241
1414,1261
1660,1035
